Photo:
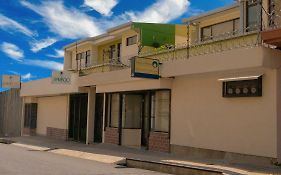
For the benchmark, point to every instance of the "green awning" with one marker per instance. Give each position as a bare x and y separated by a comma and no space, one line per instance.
156,35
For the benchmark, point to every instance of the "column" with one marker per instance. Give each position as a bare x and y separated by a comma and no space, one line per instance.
91,115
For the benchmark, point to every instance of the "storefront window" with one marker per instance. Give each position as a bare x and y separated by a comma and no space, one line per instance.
132,111
160,111
140,110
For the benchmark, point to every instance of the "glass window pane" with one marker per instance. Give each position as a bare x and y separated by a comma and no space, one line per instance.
223,29
162,111
252,16
132,40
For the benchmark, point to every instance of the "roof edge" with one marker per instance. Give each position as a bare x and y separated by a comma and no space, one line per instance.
209,13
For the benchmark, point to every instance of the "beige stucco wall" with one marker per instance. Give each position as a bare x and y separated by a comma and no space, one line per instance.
52,112
44,87
278,123
202,118
212,19
128,52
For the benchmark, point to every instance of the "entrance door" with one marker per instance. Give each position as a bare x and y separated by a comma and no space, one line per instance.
98,119
78,117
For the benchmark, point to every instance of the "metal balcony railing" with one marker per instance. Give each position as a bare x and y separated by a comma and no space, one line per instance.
106,65
224,42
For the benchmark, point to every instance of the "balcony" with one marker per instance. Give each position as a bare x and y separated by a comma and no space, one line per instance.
220,44
107,65
216,45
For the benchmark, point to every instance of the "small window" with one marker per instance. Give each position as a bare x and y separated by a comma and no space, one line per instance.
87,58
218,30
112,52
221,29
253,15
206,33
132,40
243,88
79,56
160,111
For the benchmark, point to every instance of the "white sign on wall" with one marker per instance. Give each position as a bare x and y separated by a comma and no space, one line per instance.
61,77
11,81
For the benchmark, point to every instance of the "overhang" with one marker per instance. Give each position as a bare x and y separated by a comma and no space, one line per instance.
272,37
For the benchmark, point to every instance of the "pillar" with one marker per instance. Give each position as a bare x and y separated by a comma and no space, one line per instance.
91,115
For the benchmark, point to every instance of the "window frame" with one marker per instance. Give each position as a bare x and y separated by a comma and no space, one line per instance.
211,28
87,57
131,40
153,116
248,5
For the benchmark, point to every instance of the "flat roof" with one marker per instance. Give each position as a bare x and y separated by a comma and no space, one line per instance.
209,13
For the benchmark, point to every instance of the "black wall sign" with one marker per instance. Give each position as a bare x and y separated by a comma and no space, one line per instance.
243,88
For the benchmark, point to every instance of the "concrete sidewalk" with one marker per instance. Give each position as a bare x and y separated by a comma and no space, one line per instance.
114,154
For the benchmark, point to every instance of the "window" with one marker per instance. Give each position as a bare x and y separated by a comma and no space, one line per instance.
132,40
206,33
111,52
79,56
225,28
84,57
160,111
87,58
244,88
119,45
149,109
221,29
253,15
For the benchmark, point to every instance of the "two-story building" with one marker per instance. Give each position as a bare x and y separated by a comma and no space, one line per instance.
217,94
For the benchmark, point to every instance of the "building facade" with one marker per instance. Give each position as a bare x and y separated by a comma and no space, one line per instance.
217,94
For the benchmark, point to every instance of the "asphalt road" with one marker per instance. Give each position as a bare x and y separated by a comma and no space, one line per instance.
21,161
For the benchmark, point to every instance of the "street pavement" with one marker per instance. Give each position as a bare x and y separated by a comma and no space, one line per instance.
24,161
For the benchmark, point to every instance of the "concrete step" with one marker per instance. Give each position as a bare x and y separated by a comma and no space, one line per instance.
177,169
